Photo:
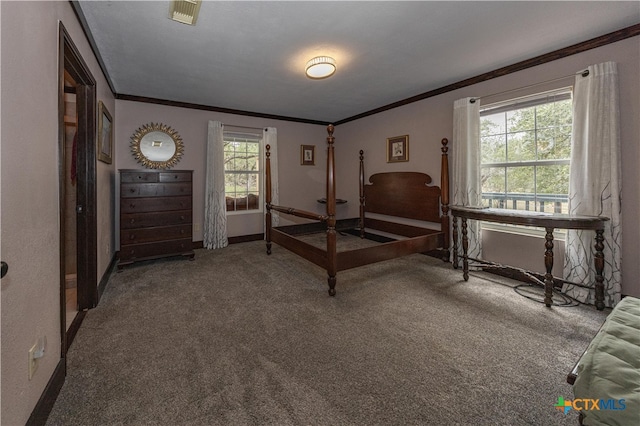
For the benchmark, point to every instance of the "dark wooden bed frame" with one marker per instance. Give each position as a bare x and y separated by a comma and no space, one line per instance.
397,194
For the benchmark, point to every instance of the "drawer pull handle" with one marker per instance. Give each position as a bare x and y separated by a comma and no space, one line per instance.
182,231
133,221
182,217
132,237
132,206
132,190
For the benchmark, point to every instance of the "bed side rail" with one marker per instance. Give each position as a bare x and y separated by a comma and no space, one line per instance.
282,209
298,212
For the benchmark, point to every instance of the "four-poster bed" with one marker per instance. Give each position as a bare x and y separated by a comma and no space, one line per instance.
393,194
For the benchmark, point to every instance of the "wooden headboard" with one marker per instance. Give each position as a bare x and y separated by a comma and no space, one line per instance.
403,194
408,194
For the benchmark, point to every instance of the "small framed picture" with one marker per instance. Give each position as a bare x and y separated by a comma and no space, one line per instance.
105,134
398,149
307,155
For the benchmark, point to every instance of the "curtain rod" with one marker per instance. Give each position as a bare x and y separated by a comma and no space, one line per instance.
584,73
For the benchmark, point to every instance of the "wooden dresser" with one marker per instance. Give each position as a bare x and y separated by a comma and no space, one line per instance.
155,215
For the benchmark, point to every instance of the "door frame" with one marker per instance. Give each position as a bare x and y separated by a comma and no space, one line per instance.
87,288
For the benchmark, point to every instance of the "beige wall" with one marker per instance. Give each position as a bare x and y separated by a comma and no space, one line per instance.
429,120
29,176
294,179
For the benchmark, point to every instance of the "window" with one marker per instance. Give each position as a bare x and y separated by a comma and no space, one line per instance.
526,150
243,181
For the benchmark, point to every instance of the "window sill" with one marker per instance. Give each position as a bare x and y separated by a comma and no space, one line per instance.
530,231
243,212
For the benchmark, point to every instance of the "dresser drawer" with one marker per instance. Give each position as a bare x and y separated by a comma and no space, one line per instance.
148,235
135,190
162,248
175,176
141,205
146,220
143,177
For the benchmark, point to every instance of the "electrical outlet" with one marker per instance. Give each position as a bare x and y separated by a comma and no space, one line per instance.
35,353
108,249
33,361
196,227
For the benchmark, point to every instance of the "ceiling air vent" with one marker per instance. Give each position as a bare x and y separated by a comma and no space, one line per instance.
185,11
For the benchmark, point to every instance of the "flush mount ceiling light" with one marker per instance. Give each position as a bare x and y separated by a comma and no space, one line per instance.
185,11
320,67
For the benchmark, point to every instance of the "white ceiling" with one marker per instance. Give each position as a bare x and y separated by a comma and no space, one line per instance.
250,56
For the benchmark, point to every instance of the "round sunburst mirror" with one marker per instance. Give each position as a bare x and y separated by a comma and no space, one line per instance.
157,146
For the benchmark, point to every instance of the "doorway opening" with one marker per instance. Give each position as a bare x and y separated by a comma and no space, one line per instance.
77,188
70,181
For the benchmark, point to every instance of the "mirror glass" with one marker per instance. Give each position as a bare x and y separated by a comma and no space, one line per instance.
157,146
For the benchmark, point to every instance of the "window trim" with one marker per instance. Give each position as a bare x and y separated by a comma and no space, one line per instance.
249,137
555,95
528,163
561,94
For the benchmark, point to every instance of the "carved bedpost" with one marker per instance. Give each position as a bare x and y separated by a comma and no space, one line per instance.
361,223
332,258
267,171
444,197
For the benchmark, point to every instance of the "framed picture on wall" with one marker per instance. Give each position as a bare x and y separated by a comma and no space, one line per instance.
398,149
307,155
105,134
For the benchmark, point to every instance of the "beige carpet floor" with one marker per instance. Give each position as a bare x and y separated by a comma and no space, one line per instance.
237,337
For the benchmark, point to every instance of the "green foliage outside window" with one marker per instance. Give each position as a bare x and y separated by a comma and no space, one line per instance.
242,174
525,157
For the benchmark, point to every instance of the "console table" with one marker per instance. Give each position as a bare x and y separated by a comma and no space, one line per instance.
549,221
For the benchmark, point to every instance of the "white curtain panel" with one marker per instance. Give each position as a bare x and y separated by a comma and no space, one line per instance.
466,166
270,137
215,215
595,182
